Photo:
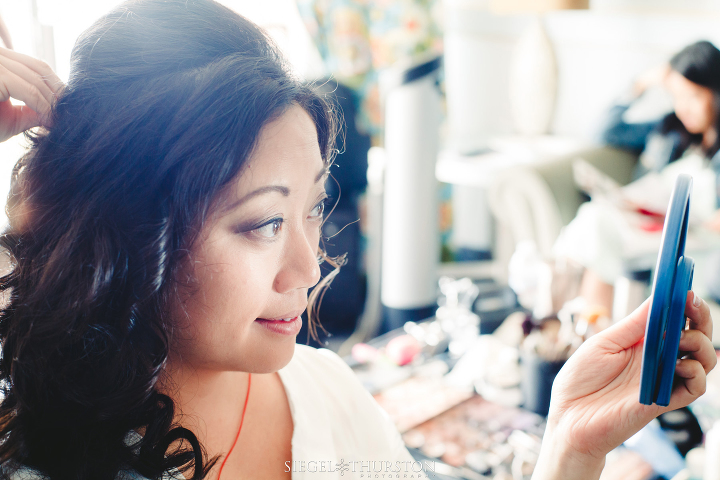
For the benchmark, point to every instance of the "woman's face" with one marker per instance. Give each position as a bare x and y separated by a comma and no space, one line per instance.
257,256
694,104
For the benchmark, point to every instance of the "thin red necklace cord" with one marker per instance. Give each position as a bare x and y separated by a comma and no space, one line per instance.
242,419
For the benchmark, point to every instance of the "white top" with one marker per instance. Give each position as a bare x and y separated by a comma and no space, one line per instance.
336,421
340,431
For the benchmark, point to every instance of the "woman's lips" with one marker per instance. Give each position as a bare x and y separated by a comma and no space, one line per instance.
283,327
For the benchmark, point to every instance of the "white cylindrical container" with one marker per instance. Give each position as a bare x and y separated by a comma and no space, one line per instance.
411,246
631,289
695,461
712,453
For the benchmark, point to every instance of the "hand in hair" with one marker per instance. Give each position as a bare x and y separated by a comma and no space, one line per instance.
31,81
652,77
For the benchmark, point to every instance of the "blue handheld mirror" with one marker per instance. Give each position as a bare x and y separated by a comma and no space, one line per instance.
666,318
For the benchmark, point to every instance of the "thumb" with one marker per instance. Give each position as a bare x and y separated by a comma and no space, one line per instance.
630,330
22,118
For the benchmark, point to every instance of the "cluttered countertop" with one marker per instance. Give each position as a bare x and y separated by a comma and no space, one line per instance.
474,404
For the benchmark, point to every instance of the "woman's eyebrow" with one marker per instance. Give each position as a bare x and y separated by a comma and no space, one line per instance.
324,172
284,191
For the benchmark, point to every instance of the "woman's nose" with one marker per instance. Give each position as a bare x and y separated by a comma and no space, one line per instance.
300,267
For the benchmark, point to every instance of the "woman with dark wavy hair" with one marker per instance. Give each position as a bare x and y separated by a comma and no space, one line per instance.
164,237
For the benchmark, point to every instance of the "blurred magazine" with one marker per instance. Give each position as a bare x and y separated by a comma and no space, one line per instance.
650,194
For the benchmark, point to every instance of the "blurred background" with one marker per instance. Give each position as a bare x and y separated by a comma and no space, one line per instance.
503,175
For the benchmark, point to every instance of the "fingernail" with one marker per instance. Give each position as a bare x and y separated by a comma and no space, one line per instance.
696,299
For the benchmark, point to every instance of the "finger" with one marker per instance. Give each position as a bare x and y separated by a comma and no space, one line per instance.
630,330
699,315
38,66
16,119
692,375
5,34
29,76
25,118
695,344
692,383
13,86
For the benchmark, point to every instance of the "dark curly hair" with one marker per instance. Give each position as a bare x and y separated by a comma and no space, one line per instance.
163,107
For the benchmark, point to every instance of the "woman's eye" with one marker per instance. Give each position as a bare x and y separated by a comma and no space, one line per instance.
318,210
270,229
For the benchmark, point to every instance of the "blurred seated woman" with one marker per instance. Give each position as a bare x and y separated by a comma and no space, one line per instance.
604,236
164,235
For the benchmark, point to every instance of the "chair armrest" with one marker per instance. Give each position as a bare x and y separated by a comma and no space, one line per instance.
536,200
558,174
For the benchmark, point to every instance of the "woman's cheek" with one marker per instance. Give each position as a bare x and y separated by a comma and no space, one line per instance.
250,284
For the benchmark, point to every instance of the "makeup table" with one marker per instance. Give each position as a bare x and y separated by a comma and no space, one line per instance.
467,436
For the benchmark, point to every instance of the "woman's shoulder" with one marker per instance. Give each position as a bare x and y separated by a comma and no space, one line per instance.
13,471
26,473
19,473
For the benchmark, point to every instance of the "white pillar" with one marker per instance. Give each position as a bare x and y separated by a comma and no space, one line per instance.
410,210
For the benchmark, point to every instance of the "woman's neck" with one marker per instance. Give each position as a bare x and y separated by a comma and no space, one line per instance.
208,402
709,138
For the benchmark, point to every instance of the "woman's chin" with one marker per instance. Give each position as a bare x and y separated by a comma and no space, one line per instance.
693,128
275,359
